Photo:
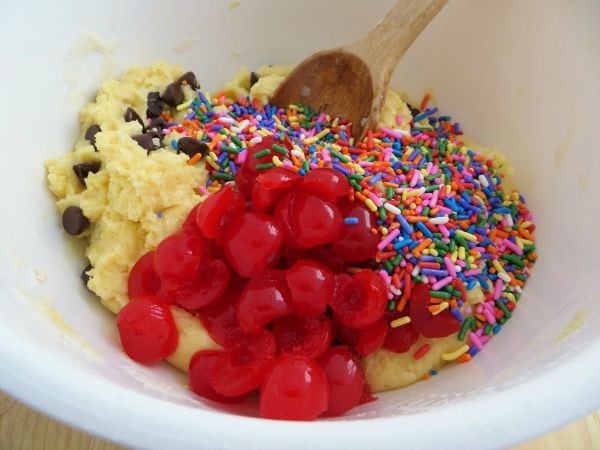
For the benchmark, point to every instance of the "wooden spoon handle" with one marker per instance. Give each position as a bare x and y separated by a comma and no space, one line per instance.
385,44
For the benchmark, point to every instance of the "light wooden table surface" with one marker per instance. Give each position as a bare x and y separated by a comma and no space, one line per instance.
22,428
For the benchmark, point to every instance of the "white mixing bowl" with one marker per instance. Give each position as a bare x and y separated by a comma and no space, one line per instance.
520,76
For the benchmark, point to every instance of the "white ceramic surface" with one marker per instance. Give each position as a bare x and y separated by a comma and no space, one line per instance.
519,75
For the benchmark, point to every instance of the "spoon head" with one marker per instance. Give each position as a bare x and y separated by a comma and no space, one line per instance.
334,82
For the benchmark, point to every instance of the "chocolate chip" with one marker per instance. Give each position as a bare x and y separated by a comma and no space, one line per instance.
146,141
414,111
82,170
254,77
159,123
156,134
74,222
190,79
131,115
373,265
173,95
155,107
84,276
191,146
91,133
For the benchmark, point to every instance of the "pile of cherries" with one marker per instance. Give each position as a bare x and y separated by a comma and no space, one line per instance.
262,262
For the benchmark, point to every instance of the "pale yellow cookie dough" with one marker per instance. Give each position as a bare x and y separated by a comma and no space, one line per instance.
386,370
136,200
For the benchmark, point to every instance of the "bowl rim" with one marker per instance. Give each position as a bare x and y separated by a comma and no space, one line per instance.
110,417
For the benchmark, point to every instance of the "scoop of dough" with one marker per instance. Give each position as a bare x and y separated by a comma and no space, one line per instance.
136,199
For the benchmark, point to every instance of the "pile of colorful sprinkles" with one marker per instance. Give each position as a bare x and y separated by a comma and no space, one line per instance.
443,216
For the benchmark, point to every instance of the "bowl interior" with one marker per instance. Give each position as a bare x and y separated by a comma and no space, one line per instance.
521,77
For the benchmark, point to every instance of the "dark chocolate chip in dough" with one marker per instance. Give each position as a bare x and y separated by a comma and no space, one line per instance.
91,132
82,170
84,274
371,264
155,107
155,133
131,115
146,141
159,123
190,79
191,146
254,77
74,221
414,111
173,95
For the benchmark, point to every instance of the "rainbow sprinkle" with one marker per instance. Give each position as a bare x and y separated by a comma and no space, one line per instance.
443,215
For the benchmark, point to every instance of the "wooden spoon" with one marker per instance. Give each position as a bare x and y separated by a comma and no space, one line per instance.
352,81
